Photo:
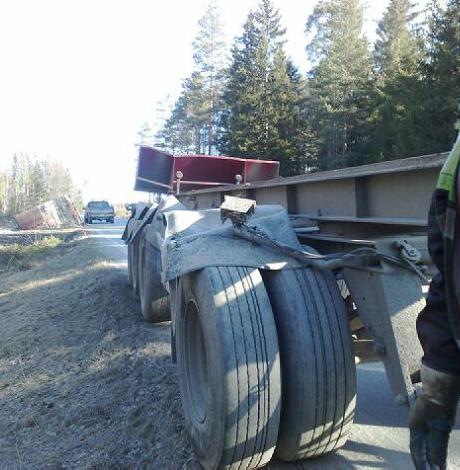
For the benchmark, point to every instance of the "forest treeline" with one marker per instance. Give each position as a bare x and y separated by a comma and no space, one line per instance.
357,104
31,181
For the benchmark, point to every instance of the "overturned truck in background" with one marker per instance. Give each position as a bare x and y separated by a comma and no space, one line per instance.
274,286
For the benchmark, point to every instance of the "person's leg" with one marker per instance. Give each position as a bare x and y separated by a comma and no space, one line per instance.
439,346
433,416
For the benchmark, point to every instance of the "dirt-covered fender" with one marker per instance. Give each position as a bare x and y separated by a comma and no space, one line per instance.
190,240
142,216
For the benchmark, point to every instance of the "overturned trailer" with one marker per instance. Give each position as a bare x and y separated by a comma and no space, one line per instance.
56,213
271,302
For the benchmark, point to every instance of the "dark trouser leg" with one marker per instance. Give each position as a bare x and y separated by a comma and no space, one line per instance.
433,417
439,346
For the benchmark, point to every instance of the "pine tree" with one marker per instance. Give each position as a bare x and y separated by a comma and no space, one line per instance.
397,56
340,87
209,57
192,125
262,116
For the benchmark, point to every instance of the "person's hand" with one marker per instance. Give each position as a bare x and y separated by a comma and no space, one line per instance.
432,419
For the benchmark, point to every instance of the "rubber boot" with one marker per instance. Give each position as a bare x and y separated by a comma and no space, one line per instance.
433,418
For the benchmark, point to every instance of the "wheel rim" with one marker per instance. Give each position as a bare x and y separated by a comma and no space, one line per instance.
196,360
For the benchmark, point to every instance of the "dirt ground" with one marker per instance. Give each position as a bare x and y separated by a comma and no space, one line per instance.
84,382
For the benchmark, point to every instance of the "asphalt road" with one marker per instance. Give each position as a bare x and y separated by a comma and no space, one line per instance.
380,437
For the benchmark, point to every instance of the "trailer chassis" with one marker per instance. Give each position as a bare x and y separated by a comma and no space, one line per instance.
382,206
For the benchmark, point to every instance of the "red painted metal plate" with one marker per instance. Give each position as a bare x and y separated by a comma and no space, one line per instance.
156,170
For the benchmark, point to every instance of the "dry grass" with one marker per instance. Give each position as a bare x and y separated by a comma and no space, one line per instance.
84,382
21,256
22,250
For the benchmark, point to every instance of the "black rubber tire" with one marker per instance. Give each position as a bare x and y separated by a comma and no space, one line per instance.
130,264
155,304
128,230
317,362
135,263
228,367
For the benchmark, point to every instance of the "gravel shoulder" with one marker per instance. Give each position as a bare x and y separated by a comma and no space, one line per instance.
84,382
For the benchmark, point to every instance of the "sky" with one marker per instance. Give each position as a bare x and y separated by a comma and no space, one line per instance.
79,77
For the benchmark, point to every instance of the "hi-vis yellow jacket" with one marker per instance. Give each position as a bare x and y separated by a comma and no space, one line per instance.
447,178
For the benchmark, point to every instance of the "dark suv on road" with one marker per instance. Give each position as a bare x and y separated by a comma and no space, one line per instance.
99,210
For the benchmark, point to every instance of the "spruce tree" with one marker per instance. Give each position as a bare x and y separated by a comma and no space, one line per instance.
339,82
442,77
183,130
397,56
239,120
291,139
396,44
262,116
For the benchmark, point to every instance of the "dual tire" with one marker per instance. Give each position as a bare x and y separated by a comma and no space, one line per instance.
133,274
265,365
144,275
317,359
229,367
130,265
155,302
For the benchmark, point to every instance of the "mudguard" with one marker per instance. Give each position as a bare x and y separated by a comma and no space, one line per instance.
190,240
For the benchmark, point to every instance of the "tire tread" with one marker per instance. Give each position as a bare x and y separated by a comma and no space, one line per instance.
317,362
251,428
